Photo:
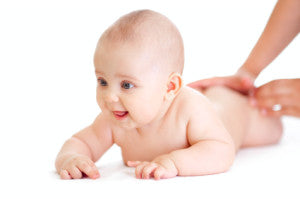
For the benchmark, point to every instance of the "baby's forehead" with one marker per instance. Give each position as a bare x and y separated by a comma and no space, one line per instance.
129,58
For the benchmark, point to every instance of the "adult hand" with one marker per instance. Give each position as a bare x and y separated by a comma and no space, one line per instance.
278,97
238,82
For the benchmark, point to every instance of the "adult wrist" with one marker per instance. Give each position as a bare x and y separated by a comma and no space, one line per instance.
245,72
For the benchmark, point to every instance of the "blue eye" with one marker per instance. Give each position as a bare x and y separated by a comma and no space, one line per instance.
102,82
127,85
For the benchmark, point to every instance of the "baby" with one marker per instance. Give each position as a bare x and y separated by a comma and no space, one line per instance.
164,128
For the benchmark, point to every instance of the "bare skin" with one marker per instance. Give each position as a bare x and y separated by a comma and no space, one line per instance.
244,122
282,27
163,128
158,131
173,148
281,91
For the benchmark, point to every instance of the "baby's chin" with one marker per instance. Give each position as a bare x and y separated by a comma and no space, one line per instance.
126,123
130,123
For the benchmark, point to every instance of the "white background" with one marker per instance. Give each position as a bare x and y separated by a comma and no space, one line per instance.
47,88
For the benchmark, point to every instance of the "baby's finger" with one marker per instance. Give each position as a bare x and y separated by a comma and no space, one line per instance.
64,174
159,172
133,163
163,173
139,169
148,170
75,173
89,169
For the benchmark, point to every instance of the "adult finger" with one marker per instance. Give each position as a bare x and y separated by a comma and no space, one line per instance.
285,110
275,87
270,101
204,83
214,81
240,84
275,93
270,94
291,111
279,105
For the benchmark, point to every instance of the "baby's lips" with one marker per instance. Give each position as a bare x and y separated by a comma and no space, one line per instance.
120,113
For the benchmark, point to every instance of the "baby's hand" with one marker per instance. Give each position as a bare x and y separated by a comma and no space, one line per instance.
161,167
74,166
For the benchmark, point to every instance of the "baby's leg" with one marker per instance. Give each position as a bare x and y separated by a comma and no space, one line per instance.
246,125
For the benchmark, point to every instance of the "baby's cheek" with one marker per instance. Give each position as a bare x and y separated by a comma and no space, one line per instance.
146,113
102,105
99,100
137,113
141,108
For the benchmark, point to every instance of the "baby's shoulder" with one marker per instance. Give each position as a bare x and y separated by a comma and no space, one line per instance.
190,100
189,96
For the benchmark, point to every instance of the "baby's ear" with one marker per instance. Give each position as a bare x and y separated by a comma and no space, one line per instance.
174,85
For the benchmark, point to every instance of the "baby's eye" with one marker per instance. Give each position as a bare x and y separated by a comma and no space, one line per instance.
102,82
127,85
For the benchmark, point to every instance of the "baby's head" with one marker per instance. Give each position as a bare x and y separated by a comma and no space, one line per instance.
148,31
138,63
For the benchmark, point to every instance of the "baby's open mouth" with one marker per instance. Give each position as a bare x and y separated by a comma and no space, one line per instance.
120,114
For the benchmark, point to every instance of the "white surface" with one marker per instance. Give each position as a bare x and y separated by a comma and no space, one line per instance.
47,90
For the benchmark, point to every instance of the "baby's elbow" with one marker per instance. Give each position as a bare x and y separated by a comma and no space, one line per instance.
227,157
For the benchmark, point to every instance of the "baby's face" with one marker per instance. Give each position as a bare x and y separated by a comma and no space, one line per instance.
131,86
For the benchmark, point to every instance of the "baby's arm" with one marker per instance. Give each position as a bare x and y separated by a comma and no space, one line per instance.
212,149
207,154
79,153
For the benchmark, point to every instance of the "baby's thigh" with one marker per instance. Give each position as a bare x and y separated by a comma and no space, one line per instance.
245,124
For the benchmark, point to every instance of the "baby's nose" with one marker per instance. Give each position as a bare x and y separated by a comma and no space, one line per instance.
111,97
